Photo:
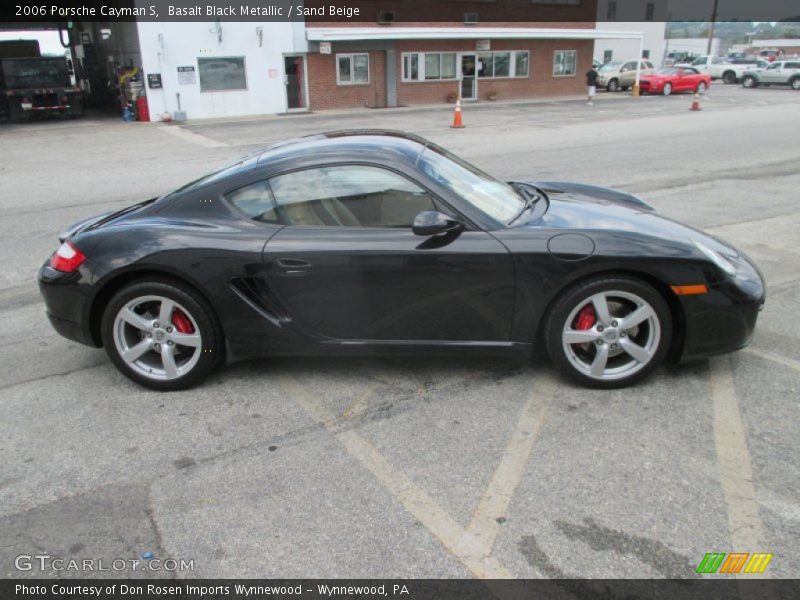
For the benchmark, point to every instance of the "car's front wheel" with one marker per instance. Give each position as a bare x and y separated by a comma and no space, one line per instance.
749,81
701,87
161,334
613,85
608,332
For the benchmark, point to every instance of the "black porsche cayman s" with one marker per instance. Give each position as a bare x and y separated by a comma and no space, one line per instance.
376,241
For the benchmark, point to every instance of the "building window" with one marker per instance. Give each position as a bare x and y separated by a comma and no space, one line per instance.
649,11
429,66
611,10
607,55
222,73
352,69
564,62
521,64
503,64
645,53
569,2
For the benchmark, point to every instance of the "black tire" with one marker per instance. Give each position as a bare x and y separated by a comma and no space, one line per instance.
575,297
748,81
667,89
729,77
211,351
795,83
613,85
701,88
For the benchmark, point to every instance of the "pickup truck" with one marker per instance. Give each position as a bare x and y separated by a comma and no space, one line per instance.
718,68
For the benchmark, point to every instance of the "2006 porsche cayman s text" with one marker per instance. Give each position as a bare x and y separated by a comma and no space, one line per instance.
374,241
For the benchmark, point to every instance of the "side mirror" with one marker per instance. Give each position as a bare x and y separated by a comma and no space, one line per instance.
432,222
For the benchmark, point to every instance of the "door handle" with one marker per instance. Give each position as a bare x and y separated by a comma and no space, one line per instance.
292,263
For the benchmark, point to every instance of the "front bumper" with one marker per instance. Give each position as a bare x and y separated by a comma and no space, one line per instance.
724,319
67,302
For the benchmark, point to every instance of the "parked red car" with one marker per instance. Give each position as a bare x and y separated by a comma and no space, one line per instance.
675,79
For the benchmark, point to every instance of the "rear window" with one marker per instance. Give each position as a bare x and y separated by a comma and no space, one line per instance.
792,65
35,73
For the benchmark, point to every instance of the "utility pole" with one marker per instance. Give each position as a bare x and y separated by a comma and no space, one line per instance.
711,29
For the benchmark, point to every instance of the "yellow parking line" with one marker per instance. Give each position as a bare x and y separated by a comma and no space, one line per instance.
497,497
464,546
735,464
359,404
785,361
191,136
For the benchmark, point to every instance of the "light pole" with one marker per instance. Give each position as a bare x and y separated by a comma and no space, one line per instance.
711,29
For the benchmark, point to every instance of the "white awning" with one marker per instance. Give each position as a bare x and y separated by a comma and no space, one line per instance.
353,34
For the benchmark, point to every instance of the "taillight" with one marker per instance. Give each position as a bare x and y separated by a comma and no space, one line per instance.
64,100
67,258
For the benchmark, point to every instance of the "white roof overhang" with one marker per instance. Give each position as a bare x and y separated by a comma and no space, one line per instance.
352,34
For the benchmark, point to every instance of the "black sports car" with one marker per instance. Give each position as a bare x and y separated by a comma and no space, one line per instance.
376,241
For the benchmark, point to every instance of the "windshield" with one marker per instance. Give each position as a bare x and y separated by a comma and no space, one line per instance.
493,197
611,66
667,71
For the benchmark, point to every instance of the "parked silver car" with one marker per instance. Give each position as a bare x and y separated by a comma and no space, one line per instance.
782,72
619,75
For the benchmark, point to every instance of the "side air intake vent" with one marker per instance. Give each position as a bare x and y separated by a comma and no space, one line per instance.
256,292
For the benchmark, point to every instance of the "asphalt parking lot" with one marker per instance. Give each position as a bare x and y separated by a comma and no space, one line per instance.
446,467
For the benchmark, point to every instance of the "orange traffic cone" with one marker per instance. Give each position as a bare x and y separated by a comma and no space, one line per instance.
696,102
457,124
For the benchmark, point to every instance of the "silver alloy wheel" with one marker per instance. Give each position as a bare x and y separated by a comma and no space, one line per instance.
796,84
149,341
701,88
748,82
623,339
667,89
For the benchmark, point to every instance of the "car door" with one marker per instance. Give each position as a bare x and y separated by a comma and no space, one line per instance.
627,74
686,80
348,266
772,74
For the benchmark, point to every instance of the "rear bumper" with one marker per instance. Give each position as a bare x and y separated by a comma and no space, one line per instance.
67,302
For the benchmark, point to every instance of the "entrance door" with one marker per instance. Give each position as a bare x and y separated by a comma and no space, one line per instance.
294,68
469,83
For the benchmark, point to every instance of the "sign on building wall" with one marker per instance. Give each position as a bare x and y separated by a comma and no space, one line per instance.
154,81
481,45
324,47
187,76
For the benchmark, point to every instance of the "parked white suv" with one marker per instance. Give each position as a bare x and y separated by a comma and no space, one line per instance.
783,72
619,75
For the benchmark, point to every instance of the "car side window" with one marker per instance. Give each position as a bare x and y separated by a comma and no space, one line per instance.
774,67
629,67
255,201
348,196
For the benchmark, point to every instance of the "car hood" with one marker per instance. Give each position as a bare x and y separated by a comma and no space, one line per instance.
588,208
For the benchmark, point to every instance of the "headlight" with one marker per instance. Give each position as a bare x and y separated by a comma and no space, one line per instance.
718,259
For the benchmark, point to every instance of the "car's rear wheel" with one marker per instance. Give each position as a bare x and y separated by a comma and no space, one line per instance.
609,332
701,87
729,77
613,85
667,89
749,81
796,83
161,334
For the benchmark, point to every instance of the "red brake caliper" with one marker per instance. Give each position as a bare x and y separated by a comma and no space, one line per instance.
181,322
586,318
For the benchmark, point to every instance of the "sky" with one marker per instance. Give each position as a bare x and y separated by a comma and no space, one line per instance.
48,40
